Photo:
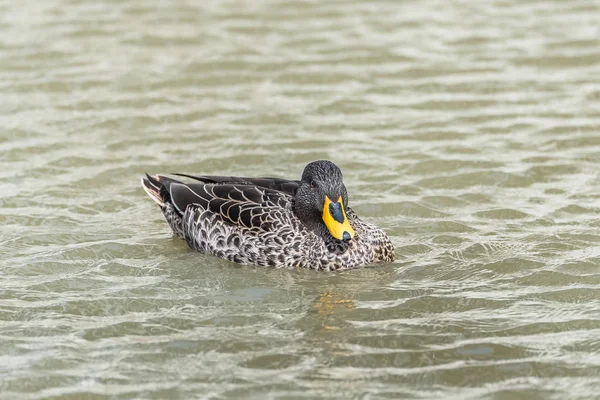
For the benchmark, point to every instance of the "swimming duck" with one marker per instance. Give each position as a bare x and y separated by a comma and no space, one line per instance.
271,221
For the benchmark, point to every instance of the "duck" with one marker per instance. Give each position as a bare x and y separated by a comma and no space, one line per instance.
271,222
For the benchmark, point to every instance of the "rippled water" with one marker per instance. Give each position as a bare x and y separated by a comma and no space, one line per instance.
468,130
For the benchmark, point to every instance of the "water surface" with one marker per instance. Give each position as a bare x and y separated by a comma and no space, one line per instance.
468,130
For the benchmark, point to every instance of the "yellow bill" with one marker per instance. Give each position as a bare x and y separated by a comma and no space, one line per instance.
334,216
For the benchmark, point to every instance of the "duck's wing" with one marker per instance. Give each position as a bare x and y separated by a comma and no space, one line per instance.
287,186
246,206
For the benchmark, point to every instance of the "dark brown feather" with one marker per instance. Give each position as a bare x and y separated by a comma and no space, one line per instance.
243,205
287,186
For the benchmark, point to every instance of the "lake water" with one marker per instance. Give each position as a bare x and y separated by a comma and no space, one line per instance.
470,131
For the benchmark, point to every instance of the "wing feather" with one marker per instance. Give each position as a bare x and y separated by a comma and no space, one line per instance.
245,206
282,185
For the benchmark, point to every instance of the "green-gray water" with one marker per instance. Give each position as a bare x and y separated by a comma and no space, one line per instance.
468,130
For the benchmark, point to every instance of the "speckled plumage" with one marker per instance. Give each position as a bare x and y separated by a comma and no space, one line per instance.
256,221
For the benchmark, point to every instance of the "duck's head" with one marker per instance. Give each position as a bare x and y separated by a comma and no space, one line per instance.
322,199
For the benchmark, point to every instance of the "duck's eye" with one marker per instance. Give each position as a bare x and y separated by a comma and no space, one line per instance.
313,184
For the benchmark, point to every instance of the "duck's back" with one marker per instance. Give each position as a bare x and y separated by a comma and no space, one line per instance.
240,222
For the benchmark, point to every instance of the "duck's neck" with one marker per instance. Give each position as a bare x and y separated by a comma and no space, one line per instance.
313,222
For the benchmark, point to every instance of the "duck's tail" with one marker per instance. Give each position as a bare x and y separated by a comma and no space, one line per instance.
158,188
155,189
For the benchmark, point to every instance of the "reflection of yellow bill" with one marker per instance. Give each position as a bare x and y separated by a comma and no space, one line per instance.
328,303
334,216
